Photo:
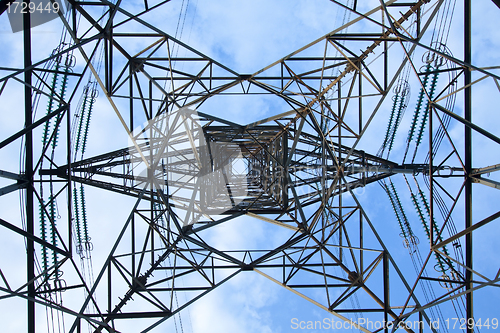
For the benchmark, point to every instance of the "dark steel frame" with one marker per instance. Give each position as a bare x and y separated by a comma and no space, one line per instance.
277,143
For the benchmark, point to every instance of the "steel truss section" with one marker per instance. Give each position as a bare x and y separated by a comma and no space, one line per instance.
300,169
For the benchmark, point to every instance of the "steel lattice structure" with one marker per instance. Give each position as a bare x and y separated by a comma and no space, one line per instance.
300,167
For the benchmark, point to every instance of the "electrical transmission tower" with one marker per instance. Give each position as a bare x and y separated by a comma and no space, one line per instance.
336,144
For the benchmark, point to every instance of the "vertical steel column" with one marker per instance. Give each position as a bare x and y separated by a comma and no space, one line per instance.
387,305
284,172
28,119
468,162
341,165
131,129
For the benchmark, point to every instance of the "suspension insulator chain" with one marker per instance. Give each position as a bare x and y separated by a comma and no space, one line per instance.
93,96
389,126
401,109
86,238
393,203
43,233
420,100
64,85
427,229
81,118
407,224
50,106
53,228
425,115
77,220
426,109
434,223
